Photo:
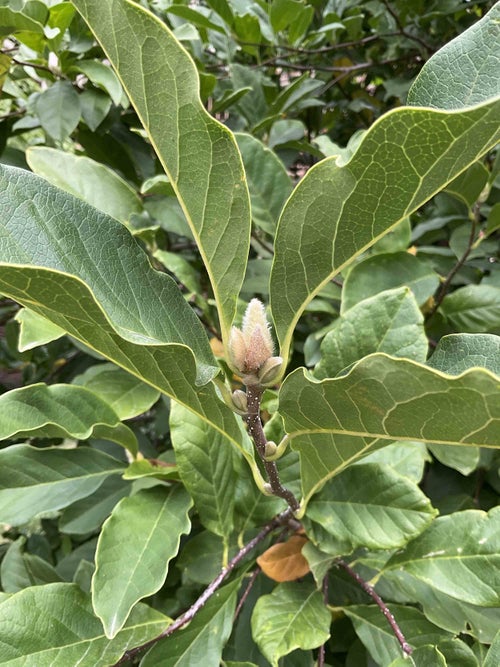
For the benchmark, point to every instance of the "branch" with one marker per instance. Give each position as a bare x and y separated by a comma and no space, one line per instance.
246,592
381,604
443,290
256,432
402,30
280,520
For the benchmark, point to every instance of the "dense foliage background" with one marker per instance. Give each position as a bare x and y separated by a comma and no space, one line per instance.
296,81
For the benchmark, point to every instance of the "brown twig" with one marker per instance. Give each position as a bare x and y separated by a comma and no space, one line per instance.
187,616
380,603
256,432
443,290
246,592
402,30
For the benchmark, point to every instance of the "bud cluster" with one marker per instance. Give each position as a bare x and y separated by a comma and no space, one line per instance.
252,348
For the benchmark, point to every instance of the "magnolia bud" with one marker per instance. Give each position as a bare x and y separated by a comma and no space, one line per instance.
251,346
270,449
239,399
270,370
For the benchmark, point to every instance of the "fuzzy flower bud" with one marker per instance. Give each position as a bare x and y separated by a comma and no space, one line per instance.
252,345
239,399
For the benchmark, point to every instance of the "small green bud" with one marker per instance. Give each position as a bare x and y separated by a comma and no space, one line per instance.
270,449
270,371
239,399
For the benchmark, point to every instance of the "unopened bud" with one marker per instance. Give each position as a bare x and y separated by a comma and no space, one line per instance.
239,399
270,371
252,346
270,449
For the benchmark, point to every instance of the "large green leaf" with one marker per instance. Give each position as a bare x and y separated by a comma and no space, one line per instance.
459,74
292,616
390,398
53,626
389,322
135,546
81,242
383,398
376,634
473,309
95,183
386,271
14,20
445,611
202,641
61,411
459,555
368,505
408,155
143,324
123,392
34,481
199,154
205,461
458,352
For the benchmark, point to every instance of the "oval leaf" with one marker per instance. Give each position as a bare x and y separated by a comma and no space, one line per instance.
135,546
34,481
61,411
198,154
292,616
76,636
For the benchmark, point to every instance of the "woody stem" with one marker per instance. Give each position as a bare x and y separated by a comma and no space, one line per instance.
256,432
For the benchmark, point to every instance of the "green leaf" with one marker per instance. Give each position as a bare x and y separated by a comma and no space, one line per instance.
376,634
463,459
493,655
61,411
86,515
145,468
71,249
457,353
383,398
292,616
135,546
449,613
338,210
20,570
268,181
406,458
469,185
95,183
203,639
147,337
123,392
473,309
103,77
196,18
35,330
205,461
425,656
95,107
58,109
467,61
35,481
459,555
13,20
386,271
199,154
368,505
76,636
389,322
391,398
